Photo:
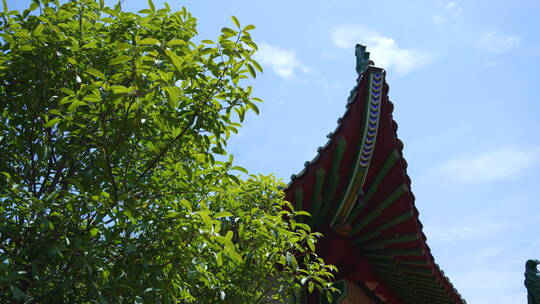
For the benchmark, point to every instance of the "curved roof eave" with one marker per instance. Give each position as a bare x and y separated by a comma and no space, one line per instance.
359,181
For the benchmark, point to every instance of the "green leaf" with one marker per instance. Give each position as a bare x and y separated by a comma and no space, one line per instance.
291,261
120,59
176,61
52,122
90,45
5,6
311,244
222,214
329,296
95,73
235,179
219,258
228,31
38,30
75,104
149,41
94,232
231,251
248,27
173,96
6,175
186,204
206,218
252,71
122,46
257,66
311,285
151,5
174,42
27,47
252,106
302,212
129,215
172,214
92,98
118,89
241,169
236,22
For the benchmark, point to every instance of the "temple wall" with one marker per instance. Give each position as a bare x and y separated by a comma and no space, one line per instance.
355,295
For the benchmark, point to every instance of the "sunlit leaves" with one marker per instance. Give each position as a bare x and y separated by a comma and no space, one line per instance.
228,32
38,30
252,70
149,41
115,181
174,42
174,59
151,5
120,59
173,96
95,73
235,21
122,46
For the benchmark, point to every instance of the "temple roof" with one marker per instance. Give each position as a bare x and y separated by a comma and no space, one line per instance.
357,188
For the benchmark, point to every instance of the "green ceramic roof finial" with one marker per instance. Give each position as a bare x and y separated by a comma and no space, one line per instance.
532,281
362,59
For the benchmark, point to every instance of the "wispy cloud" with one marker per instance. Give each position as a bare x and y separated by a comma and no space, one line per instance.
496,43
490,64
451,234
282,61
447,12
500,164
384,50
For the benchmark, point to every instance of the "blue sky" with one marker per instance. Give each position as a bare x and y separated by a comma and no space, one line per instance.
463,78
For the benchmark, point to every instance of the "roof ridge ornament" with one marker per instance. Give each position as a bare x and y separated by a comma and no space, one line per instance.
362,59
532,281
362,64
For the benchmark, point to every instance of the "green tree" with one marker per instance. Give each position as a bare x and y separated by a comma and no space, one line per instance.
115,185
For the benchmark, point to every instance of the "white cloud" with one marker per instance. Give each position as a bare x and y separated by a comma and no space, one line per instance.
451,234
447,11
384,50
282,61
453,9
450,6
504,163
496,43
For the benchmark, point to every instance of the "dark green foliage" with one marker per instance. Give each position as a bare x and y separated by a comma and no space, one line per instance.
110,190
